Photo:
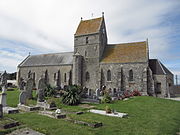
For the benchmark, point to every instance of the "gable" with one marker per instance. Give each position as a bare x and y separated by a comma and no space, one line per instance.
125,53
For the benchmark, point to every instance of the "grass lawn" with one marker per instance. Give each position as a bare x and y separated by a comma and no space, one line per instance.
147,116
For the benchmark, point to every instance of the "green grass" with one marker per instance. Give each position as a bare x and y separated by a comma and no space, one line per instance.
147,116
13,97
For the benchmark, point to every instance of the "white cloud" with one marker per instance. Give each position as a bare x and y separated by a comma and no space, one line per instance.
49,25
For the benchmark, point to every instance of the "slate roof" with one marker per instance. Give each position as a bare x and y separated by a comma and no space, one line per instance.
126,53
89,26
48,59
158,68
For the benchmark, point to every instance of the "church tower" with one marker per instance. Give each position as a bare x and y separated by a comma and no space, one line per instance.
90,40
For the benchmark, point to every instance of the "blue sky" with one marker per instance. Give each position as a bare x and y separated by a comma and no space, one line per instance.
46,26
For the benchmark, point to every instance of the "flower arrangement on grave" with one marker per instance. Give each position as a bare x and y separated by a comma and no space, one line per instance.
108,109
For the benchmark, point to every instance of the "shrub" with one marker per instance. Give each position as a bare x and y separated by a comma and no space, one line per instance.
49,91
71,95
106,98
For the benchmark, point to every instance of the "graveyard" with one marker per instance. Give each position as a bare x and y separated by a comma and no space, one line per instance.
145,115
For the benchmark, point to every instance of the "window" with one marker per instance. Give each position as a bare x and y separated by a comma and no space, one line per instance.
108,75
29,74
87,76
87,40
85,54
64,77
130,75
158,88
54,76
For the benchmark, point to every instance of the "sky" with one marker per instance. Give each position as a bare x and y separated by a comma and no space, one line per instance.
48,26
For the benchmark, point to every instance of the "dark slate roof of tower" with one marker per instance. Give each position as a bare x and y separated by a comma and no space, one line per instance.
48,59
89,26
126,53
158,68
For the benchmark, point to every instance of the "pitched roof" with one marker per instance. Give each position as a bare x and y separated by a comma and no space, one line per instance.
158,68
48,59
126,53
89,26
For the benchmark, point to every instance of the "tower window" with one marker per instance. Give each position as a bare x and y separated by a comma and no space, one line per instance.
87,76
108,75
87,40
130,75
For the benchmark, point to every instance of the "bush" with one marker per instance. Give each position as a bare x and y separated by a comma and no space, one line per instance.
49,91
106,98
71,95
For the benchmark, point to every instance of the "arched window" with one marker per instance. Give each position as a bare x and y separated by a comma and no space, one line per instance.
131,75
87,76
108,75
87,40
64,77
54,76
29,74
46,77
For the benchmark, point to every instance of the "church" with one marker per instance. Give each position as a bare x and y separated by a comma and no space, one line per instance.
95,63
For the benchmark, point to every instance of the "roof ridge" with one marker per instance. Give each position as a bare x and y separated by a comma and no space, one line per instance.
128,43
92,19
50,53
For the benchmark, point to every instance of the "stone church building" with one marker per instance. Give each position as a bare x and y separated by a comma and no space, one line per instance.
95,63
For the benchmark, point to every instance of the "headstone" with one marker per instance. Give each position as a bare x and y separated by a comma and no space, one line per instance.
22,84
1,111
41,89
22,97
3,99
41,95
29,87
97,92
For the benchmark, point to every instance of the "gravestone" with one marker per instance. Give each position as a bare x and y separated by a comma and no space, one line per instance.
1,111
22,97
41,89
97,92
29,87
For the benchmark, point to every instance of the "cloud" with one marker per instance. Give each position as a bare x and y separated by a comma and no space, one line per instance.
44,26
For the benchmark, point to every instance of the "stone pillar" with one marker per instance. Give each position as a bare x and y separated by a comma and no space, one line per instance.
1,111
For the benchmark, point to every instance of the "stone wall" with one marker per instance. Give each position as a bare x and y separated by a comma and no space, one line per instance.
165,88
51,70
121,71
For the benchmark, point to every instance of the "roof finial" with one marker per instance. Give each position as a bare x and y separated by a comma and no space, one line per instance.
92,15
81,18
102,14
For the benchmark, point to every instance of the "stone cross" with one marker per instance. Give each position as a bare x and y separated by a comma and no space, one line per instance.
22,84
41,89
29,87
